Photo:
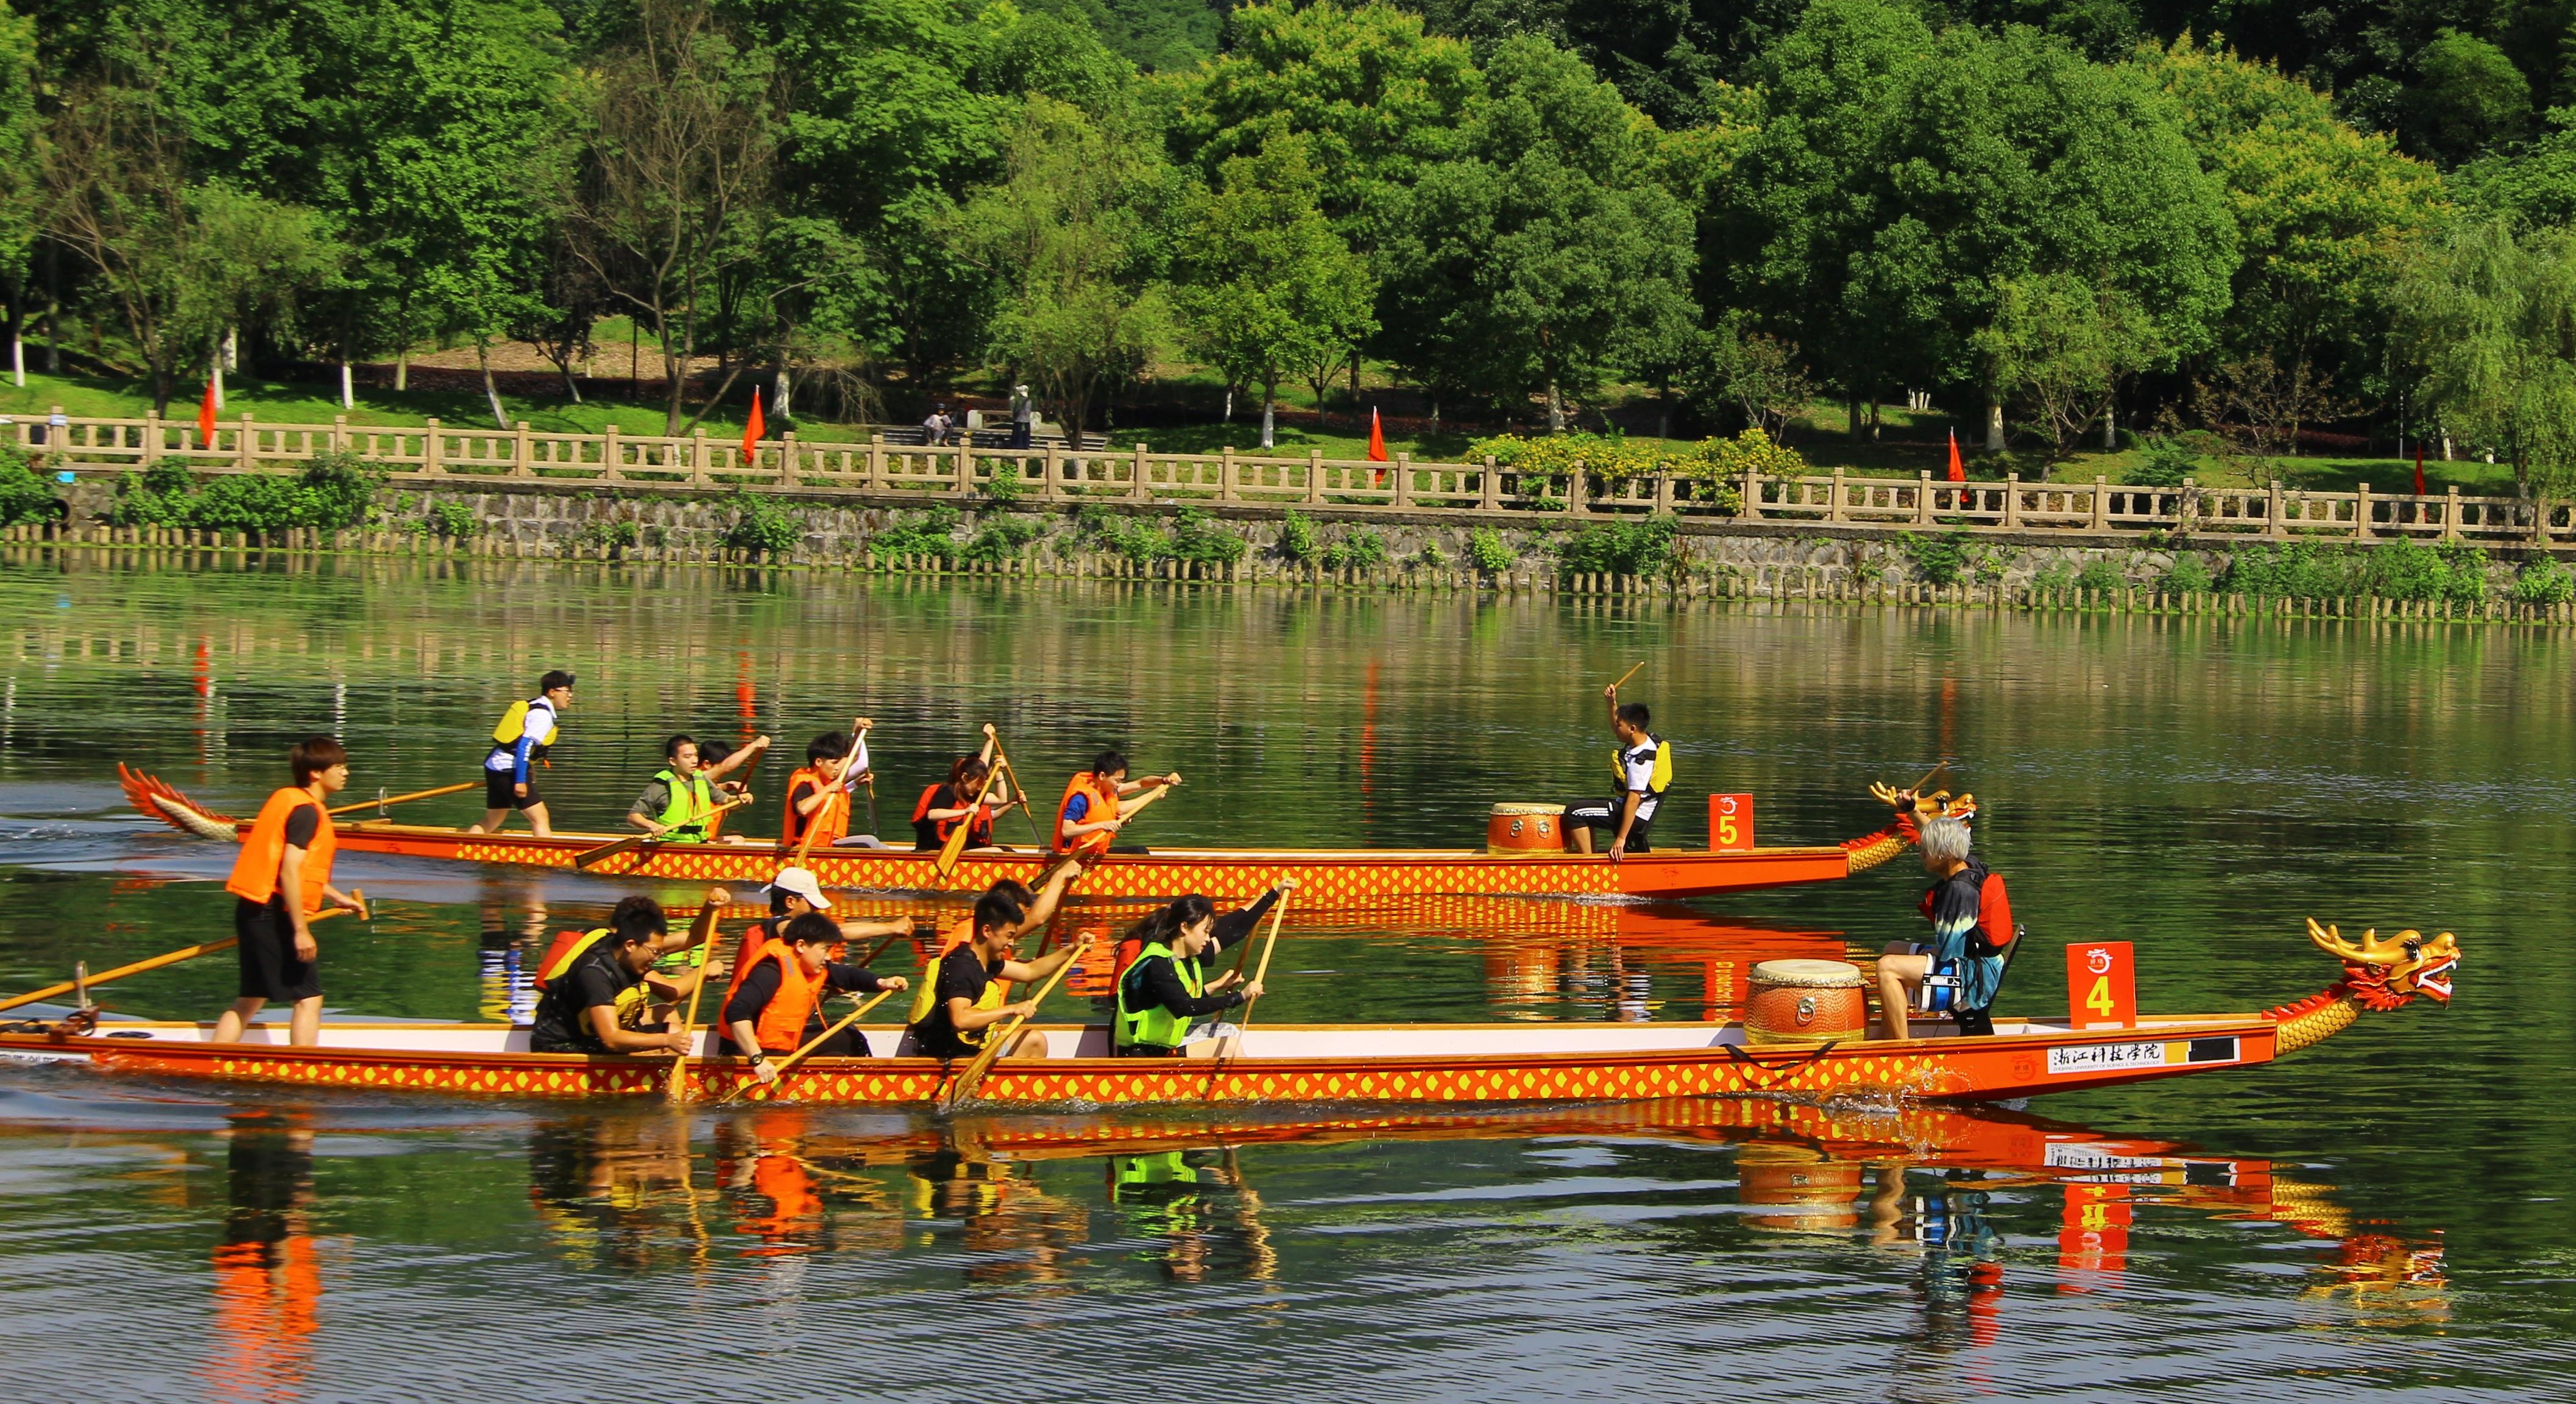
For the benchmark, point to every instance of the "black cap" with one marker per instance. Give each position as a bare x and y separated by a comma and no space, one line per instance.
551,681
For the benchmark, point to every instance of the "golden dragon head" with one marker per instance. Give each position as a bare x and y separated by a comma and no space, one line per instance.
2386,974
1935,804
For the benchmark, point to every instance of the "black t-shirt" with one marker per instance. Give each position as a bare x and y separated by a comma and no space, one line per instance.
302,825
563,1016
925,832
961,976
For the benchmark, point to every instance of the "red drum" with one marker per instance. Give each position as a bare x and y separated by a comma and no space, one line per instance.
1805,1001
1520,830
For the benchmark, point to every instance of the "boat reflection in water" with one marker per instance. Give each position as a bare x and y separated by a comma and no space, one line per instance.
1012,1200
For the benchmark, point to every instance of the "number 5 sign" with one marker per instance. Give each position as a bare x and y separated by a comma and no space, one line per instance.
2102,985
1730,823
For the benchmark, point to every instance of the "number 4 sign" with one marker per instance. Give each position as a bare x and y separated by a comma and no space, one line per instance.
1730,823
2102,985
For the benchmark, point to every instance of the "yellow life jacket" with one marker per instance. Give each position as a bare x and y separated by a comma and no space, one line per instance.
1663,776
925,999
506,731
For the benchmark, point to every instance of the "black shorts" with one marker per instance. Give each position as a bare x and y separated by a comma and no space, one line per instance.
1604,816
269,969
500,791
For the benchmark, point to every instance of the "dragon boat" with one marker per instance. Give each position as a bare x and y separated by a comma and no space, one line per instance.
1332,877
1347,1064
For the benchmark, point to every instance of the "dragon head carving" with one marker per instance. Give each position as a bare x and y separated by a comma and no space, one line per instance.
1932,804
2386,974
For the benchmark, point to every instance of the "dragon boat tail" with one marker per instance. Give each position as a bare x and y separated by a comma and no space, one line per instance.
1418,1065
1327,877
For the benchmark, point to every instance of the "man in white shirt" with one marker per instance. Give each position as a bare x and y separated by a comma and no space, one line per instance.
1643,764
509,781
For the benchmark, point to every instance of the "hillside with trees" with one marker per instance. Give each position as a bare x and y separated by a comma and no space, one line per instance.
2061,226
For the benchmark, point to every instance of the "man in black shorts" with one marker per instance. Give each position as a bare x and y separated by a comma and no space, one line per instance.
579,1011
1644,767
280,882
519,742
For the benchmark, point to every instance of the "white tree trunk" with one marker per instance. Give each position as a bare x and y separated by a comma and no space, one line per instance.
1555,408
18,361
1994,426
215,373
782,394
348,388
402,370
1229,404
1268,422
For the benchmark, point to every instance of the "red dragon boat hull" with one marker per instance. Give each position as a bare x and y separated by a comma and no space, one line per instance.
1356,877
1416,1065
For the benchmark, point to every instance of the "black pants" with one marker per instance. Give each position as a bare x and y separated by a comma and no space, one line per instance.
501,790
1603,816
269,967
848,1043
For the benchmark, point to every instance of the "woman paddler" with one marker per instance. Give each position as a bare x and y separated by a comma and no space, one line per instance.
965,798
281,879
1164,995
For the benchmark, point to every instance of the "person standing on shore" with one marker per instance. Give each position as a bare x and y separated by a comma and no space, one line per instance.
519,742
1024,416
279,882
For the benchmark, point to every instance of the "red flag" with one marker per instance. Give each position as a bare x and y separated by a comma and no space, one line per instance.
752,431
206,416
1377,438
2419,467
1958,470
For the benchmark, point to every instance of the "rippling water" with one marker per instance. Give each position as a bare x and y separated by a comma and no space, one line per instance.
2386,1214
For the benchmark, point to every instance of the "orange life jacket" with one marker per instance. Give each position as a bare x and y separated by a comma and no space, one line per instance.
263,854
1104,805
781,1025
831,818
979,837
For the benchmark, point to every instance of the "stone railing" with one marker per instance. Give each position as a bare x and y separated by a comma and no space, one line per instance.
880,473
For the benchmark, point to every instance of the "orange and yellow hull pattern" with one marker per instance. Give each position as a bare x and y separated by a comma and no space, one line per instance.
1982,1069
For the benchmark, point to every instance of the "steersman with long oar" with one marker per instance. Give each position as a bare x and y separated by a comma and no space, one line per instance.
280,881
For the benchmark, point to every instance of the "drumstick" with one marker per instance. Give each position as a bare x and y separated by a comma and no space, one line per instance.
1623,677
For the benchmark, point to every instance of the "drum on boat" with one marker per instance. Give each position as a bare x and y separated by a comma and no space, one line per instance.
1521,829
1805,1001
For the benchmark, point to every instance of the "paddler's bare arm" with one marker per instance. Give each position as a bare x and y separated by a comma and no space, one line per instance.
726,766
603,1022
965,1017
1150,782
290,882
1022,971
1042,910
865,927
703,929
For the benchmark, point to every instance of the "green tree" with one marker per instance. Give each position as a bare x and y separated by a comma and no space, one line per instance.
1266,288
1902,178
2469,99
2491,318
179,260
2061,344
2323,215
683,140
2534,186
1073,237
1547,254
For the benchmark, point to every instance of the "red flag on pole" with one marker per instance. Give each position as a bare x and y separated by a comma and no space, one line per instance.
1958,470
752,431
206,416
1377,438
2419,467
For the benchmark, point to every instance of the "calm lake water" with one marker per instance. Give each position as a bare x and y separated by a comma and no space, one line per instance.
2389,1214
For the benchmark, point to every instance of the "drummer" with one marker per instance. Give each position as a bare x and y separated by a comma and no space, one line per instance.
1972,932
1643,765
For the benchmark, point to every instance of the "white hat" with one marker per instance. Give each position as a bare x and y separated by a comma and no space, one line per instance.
802,883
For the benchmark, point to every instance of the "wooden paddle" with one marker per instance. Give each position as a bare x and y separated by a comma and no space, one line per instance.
689,1021
1269,943
963,1089
950,851
791,1060
814,821
156,962
381,801
1002,761
593,857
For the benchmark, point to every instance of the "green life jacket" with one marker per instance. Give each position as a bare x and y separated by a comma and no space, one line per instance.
1154,1026
692,801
